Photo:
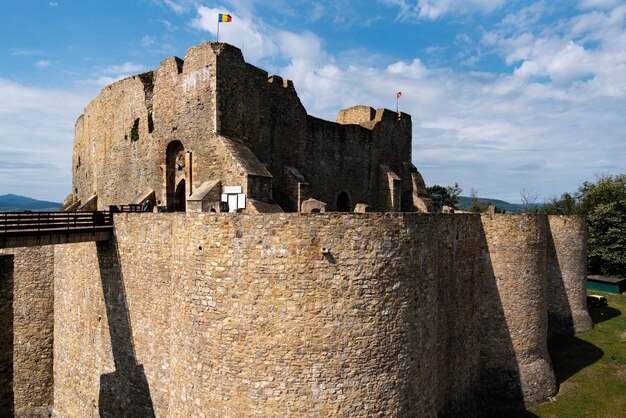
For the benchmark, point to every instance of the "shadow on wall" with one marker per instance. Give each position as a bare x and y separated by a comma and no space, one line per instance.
560,316
516,371
567,270
6,336
500,380
124,392
458,277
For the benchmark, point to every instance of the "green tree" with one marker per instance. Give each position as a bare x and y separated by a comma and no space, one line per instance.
444,196
478,206
604,203
567,204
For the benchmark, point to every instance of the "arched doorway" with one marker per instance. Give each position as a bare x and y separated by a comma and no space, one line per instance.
181,199
343,202
175,176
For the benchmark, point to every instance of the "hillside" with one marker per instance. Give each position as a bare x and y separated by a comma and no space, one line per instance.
465,202
15,203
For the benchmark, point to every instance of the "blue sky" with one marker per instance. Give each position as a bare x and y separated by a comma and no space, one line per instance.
504,95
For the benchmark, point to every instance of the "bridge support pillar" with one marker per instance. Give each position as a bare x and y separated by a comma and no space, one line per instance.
26,331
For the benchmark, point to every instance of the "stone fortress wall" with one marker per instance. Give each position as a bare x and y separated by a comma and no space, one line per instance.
567,268
26,331
248,315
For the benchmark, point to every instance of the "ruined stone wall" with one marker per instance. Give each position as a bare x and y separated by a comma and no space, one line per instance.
192,95
567,275
516,370
125,131
325,334
26,311
113,141
353,154
268,115
240,315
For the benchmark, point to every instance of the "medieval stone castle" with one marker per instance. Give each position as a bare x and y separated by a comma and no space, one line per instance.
246,291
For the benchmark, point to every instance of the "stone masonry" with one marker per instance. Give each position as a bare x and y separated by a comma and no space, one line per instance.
305,314
27,318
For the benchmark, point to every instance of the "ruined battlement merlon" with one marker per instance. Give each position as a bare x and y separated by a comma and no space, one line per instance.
368,117
357,115
172,62
276,80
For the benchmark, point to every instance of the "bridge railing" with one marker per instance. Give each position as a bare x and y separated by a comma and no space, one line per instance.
48,221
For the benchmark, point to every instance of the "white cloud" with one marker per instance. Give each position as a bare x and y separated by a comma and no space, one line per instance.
303,48
177,6
587,49
244,32
26,52
167,25
147,41
53,4
434,9
107,75
42,63
36,132
126,68
415,70
599,4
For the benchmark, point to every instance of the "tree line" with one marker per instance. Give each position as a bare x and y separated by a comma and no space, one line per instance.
603,202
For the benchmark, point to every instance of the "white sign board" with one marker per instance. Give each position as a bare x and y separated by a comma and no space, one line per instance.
234,197
232,203
231,189
241,201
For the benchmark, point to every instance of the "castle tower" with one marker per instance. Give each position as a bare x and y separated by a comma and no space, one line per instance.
213,131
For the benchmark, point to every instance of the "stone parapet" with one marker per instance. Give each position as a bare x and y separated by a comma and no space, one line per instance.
299,314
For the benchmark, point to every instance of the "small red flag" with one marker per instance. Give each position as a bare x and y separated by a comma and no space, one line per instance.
398,94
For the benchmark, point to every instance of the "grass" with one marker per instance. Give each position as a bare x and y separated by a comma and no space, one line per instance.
590,367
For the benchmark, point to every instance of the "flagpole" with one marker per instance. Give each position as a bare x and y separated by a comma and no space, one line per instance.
218,30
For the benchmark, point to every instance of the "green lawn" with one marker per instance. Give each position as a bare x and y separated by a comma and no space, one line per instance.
591,368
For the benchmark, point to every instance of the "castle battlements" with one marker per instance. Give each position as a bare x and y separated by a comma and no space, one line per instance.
123,139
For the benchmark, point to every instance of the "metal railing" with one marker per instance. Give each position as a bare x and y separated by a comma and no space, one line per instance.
26,222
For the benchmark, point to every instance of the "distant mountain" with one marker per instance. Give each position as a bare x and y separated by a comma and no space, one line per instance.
465,203
15,203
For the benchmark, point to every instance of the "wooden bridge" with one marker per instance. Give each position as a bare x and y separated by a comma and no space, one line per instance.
28,229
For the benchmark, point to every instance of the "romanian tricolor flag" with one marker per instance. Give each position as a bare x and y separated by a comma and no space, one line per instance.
224,18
